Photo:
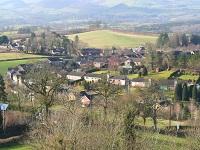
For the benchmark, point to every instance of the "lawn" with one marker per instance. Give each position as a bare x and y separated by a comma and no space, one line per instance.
189,77
161,122
160,75
114,73
165,142
8,56
15,146
108,39
133,76
4,65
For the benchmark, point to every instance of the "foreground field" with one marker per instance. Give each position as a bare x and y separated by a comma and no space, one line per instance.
9,64
8,56
107,39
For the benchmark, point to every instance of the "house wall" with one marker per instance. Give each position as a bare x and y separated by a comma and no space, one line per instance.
138,84
92,79
118,82
74,78
17,80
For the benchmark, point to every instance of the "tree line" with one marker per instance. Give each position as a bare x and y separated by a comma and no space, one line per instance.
177,40
185,92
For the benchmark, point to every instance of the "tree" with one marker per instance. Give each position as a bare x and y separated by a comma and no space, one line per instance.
3,94
185,96
163,40
178,92
67,45
174,41
150,99
144,71
129,128
87,85
44,83
4,40
151,59
194,93
184,40
108,92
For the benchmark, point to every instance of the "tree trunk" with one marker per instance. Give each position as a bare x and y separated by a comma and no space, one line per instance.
155,119
144,120
47,112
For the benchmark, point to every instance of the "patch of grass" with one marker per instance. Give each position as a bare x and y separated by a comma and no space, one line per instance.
165,142
133,76
161,122
15,146
9,64
114,73
189,77
8,56
160,75
108,39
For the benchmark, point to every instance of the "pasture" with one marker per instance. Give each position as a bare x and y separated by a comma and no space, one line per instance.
108,39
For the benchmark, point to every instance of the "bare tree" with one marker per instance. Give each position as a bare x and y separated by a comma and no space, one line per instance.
44,83
108,92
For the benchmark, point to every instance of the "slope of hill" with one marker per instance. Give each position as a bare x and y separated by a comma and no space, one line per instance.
107,39
141,11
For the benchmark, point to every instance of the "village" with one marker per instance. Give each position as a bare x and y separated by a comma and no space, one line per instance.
163,86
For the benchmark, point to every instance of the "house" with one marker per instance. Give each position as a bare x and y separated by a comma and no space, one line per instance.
100,63
119,80
17,74
137,61
75,76
90,77
55,61
91,52
140,82
114,62
85,101
58,51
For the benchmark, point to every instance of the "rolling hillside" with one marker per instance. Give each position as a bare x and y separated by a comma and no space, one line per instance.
107,39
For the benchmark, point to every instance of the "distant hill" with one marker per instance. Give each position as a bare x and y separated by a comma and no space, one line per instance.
142,11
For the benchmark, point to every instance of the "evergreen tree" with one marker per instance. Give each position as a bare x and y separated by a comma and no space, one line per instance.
3,94
190,91
194,93
178,92
185,96
184,40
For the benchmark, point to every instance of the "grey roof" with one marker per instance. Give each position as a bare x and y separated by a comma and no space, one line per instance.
95,75
139,80
119,77
77,73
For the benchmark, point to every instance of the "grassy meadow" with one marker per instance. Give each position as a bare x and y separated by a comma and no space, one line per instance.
4,65
9,56
108,39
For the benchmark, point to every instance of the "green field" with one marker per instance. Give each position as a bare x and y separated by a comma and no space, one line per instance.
189,77
4,65
108,39
6,56
15,146
9,64
160,75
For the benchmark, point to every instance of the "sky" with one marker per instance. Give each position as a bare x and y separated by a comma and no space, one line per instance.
103,2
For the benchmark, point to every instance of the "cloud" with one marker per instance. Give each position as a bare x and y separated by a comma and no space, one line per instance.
116,2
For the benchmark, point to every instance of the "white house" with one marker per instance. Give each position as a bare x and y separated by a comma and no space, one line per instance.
75,76
93,77
119,80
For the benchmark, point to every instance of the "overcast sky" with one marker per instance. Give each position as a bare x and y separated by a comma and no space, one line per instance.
105,2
